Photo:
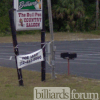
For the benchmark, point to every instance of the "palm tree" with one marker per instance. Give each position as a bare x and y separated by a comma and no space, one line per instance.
70,11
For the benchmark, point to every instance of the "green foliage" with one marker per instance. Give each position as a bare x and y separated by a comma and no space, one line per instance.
75,15
69,11
5,5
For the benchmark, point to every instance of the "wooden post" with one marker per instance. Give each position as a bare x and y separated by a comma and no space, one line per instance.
43,65
15,45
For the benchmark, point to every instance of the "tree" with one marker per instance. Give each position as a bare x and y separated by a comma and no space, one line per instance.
69,11
5,5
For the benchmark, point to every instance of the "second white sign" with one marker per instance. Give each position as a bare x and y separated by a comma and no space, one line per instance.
28,20
28,59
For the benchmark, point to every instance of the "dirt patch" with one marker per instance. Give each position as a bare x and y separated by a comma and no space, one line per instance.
59,36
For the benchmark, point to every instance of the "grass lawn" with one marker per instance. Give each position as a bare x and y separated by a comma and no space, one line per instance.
59,36
10,89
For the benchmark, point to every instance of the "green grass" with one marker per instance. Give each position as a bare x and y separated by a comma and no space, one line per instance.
10,89
95,32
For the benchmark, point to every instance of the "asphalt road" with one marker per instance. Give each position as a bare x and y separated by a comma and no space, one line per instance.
87,63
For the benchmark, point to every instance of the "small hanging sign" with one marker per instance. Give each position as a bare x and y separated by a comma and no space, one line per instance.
28,59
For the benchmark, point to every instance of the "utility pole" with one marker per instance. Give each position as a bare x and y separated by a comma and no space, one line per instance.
97,13
52,39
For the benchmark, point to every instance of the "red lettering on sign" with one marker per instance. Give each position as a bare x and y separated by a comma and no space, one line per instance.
30,14
38,14
32,19
32,24
21,15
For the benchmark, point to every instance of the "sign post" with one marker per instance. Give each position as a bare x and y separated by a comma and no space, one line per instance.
15,45
43,69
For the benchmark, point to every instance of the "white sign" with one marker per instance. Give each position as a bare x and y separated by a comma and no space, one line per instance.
28,20
24,60
28,14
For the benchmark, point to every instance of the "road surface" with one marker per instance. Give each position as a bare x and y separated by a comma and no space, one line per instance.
87,63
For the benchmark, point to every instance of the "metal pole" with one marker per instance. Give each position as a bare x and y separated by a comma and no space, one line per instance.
68,66
52,38
97,13
15,45
43,65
